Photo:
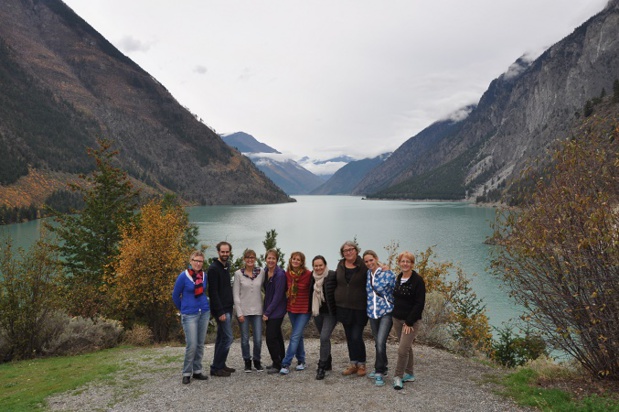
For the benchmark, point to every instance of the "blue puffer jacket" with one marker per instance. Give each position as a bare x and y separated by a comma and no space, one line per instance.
379,290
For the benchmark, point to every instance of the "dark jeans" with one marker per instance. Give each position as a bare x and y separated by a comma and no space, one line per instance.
275,341
223,341
354,340
325,325
380,329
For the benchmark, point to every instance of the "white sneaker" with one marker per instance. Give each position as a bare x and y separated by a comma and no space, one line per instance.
397,383
301,367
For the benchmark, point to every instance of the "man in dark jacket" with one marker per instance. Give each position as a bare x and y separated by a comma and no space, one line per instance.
222,302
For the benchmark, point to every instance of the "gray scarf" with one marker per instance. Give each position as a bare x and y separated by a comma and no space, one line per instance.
318,296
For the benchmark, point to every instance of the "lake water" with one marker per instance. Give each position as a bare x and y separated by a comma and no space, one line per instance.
320,224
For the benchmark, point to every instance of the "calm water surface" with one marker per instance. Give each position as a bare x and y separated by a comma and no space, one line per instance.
320,224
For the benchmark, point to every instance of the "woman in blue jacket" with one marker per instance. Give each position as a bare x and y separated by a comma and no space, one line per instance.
379,287
189,297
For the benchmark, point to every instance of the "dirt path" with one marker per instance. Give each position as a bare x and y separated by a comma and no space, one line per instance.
445,382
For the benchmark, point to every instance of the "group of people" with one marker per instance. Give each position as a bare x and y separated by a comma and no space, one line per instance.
360,289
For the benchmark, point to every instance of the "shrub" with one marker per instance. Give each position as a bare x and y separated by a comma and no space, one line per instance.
512,350
139,335
436,315
79,335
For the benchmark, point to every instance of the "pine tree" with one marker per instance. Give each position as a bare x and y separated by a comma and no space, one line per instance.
89,240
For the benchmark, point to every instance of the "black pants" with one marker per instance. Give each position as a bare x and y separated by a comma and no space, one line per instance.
275,341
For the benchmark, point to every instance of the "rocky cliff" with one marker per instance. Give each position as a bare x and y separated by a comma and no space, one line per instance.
518,117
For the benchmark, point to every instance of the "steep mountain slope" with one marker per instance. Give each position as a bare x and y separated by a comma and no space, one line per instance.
346,178
62,85
290,176
517,118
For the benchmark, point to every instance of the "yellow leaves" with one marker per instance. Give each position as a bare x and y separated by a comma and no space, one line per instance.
151,255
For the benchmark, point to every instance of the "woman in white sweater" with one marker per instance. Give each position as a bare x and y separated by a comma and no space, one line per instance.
247,292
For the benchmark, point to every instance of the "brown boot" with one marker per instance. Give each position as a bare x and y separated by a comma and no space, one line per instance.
361,369
351,370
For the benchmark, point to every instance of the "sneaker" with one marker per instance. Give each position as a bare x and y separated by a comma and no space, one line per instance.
229,370
301,366
351,370
258,366
378,380
372,374
408,378
220,373
284,370
397,383
200,376
361,371
247,366
186,380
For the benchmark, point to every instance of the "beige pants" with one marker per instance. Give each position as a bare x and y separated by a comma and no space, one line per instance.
405,350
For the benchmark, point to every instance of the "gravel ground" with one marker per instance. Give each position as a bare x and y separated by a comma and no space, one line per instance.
445,382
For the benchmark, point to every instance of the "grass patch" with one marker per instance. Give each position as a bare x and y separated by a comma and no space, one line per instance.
523,387
25,385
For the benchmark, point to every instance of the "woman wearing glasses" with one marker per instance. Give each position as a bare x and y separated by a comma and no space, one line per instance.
351,303
189,296
247,293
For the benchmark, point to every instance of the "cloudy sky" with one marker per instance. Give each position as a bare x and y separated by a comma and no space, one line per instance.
323,78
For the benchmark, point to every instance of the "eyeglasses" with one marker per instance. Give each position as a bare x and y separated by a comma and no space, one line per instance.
348,250
250,257
197,261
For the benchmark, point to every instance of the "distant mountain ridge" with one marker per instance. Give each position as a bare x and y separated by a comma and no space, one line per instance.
345,179
290,176
517,119
63,85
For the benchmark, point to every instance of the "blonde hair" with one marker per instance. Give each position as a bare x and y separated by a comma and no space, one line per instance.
407,255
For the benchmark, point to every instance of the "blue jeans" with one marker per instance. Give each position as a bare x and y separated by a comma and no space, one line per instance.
223,341
325,325
295,346
380,329
194,326
256,327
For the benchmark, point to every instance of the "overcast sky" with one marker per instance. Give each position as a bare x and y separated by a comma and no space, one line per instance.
325,78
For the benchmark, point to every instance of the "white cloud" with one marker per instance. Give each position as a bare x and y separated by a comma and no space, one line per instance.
129,44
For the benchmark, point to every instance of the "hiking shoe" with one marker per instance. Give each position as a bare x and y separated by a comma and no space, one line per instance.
408,378
220,373
301,366
378,380
229,370
258,366
351,370
271,370
247,366
186,380
361,371
397,383
284,370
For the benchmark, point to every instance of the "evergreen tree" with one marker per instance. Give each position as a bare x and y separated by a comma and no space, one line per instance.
616,91
89,240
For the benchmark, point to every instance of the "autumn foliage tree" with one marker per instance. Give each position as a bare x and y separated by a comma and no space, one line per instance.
153,251
560,252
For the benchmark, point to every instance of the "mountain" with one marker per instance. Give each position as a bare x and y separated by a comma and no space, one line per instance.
246,143
62,85
290,176
520,115
346,178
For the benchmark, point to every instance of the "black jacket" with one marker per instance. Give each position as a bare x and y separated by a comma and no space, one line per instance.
409,299
220,288
328,288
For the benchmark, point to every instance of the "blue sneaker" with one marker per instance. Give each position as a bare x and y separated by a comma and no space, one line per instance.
408,378
372,375
301,367
378,380
284,370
